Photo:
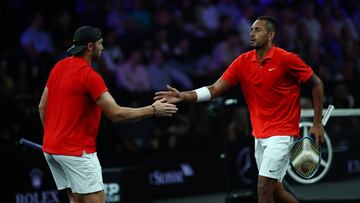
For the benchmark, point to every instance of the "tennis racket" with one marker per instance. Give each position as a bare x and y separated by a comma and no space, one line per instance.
30,144
305,155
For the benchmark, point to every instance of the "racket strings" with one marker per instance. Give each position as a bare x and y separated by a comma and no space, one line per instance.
305,157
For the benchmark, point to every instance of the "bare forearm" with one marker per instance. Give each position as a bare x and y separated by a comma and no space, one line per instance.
206,94
318,100
42,106
42,116
188,96
201,94
128,114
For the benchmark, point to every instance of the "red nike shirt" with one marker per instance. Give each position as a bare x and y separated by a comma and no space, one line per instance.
271,89
72,116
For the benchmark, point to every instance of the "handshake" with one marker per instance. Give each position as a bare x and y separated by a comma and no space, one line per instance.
164,104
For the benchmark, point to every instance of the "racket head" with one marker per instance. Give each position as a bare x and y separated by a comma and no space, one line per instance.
305,157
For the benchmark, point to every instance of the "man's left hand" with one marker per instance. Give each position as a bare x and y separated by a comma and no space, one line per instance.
318,131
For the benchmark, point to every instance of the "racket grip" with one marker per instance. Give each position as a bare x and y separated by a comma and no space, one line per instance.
30,144
327,114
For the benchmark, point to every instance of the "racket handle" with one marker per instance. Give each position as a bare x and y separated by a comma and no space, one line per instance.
327,114
30,144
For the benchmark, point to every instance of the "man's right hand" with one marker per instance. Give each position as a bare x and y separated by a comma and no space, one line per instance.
171,96
161,108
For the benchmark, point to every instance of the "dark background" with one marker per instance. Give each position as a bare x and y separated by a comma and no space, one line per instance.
325,34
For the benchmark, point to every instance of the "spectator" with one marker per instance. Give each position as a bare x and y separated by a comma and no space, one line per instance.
333,50
132,75
208,15
312,22
141,15
230,9
162,73
117,19
113,56
340,20
62,33
227,49
35,40
37,45
244,23
187,18
341,97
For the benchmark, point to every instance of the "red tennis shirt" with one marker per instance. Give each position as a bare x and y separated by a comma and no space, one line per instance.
271,89
72,116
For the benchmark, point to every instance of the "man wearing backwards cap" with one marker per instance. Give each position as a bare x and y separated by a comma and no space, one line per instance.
70,110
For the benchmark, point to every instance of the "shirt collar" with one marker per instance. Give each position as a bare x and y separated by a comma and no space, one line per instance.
268,55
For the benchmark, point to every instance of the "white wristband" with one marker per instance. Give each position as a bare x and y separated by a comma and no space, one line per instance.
203,94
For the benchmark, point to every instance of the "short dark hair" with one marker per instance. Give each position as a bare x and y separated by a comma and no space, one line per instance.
271,24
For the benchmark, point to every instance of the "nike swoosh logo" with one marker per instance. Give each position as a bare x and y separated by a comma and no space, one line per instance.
271,69
273,170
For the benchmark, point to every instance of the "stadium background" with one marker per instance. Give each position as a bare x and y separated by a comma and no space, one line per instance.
187,44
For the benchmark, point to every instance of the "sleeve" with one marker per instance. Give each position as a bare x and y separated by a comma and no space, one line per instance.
232,73
95,85
50,77
298,68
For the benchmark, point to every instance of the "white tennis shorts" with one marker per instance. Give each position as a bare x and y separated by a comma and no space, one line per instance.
80,173
272,155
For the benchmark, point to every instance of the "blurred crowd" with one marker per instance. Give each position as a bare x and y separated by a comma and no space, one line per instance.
187,43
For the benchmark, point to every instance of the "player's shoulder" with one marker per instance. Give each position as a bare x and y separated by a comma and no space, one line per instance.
283,52
59,65
60,62
70,61
76,65
247,55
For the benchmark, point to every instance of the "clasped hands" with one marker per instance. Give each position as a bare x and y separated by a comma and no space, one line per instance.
164,104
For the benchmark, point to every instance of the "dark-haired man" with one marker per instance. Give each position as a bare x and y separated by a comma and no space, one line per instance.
70,110
270,79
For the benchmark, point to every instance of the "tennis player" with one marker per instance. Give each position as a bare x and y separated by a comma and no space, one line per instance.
70,110
270,80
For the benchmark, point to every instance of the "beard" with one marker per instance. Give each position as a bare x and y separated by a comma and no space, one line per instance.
96,55
258,44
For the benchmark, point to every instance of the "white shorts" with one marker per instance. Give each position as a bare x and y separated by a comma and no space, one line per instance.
272,156
81,174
